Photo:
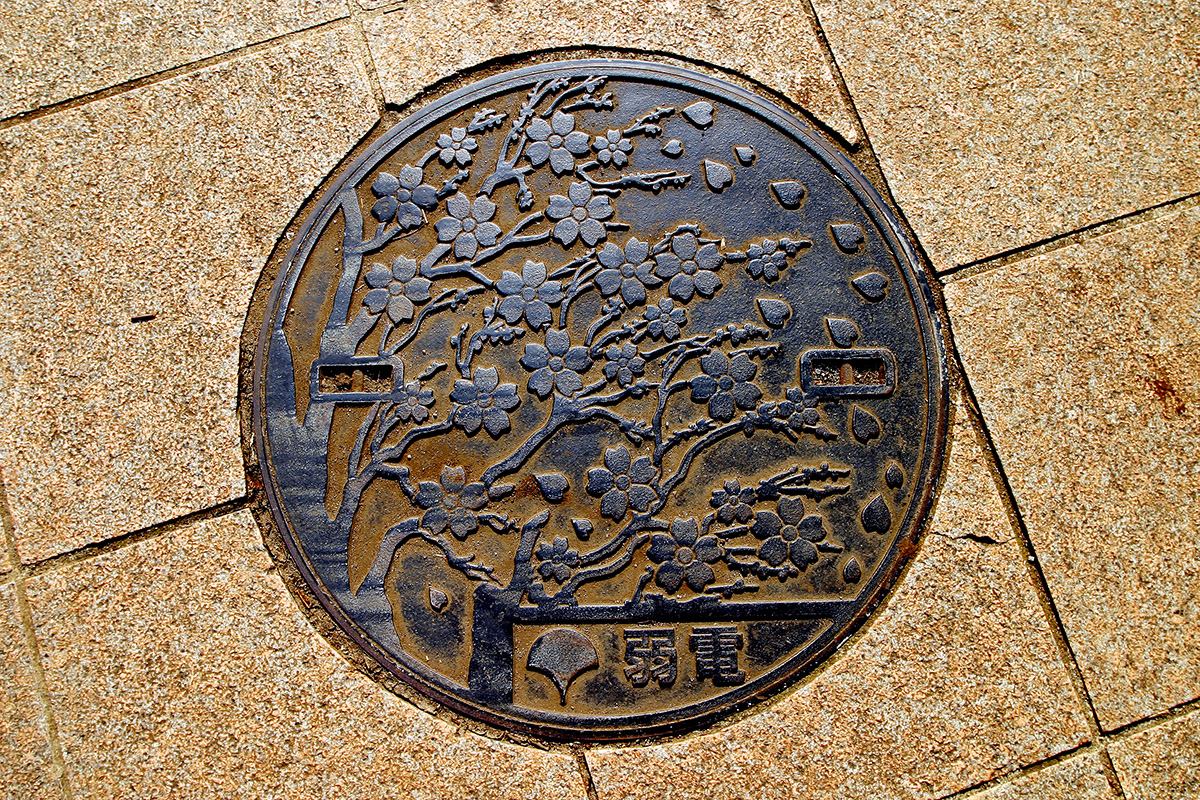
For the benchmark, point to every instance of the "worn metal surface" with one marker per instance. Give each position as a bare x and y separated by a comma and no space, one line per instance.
599,399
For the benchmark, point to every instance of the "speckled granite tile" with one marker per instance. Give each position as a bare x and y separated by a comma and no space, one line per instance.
54,50
26,770
955,682
160,203
1162,762
1078,778
767,40
1085,363
1001,124
180,667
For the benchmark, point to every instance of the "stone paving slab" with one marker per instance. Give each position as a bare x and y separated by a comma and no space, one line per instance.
26,770
58,49
1084,362
163,201
181,667
770,41
1001,124
1078,778
955,682
1162,762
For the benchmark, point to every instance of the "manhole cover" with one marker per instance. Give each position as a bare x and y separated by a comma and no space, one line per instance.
598,399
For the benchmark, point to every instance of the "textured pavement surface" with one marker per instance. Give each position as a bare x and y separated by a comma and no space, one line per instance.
1045,641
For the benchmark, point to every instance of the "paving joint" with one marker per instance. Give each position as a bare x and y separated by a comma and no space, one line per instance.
172,72
585,771
1073,237
838,80
1024,772
90,551
364,52
1025,545
32,650
1110,773
1170,715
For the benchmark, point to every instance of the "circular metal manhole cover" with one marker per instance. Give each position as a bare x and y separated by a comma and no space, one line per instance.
598,399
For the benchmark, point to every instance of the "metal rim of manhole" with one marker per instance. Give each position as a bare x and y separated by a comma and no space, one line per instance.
598,399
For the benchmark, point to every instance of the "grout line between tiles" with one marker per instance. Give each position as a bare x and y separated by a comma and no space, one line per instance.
1110,773
838,79
1025,545
124,540
167,74
364,51
1170,715
1025,772
1099,738
1069,238
585,772
32,651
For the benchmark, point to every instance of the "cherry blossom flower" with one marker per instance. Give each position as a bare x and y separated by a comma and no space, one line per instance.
579,215
622,483
684,555
733,502
412,401
612,148
397,289
556,365
469,225
557,559
529,295
766,260
690,266
403,198
456,146
726,384
452,503
484,401
628,271
556,140
624,362
664,320
789,534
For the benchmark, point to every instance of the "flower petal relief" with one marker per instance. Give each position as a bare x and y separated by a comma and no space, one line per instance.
556,141
403,198
412,401
452,502
456,146
690,267
766,260
664,320
789,535
622,482
624,363
528,295
733,503
557,559
396,289
627,271
469,225
613,148
556,366
726,385
484,401
684,555
579,215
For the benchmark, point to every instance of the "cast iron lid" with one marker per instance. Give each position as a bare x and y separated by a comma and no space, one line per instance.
598,399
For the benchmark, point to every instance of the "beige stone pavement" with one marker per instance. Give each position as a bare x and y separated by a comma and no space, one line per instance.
1045,642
